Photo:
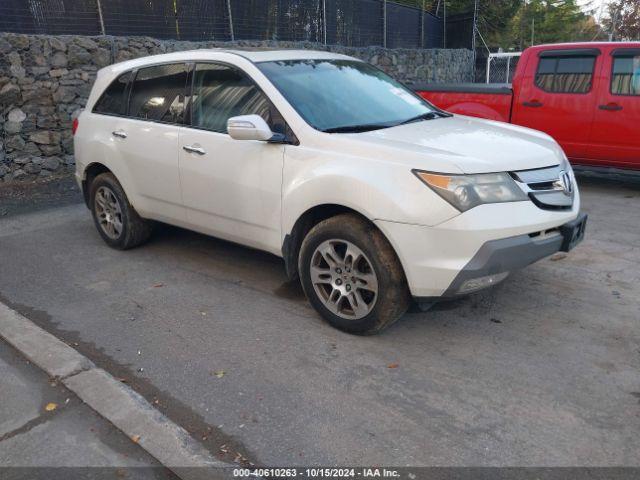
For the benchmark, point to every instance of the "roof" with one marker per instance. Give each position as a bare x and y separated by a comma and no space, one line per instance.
588,45
204,54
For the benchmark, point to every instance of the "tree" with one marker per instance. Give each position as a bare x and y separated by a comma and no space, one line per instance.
623,19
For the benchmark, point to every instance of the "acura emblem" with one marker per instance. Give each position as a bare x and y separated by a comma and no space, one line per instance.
563,183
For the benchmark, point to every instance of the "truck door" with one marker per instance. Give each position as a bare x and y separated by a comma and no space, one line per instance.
557,96
615,140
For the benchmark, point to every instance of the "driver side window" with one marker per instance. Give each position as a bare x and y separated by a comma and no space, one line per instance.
221,92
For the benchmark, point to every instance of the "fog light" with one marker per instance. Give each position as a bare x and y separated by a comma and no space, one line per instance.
475,284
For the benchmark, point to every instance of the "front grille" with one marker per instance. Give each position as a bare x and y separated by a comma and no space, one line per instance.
550,188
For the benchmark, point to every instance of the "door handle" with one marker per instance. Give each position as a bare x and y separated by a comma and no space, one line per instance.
194,149
611,107
119,133
532,103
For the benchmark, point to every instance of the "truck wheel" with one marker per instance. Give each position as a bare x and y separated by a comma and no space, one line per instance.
352,276
117,222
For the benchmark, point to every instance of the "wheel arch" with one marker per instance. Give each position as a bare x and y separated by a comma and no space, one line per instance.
90,172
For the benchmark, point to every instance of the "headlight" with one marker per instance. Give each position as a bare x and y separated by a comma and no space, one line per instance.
467,191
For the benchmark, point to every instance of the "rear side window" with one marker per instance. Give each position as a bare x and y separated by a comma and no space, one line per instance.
158,93
626,75
221,92
113,101
565,74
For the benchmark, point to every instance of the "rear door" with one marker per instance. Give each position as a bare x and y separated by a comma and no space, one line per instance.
615,136
557,96
147,139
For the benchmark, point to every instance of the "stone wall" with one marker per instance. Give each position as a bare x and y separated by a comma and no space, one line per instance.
45,80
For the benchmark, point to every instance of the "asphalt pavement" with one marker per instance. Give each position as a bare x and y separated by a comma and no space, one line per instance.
542,370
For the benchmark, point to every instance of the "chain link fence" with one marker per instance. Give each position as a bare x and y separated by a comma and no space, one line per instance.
336,22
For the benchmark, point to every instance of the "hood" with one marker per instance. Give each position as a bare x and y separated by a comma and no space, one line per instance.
457,144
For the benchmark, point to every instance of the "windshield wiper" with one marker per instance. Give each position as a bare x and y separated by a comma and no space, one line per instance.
367,127
422,116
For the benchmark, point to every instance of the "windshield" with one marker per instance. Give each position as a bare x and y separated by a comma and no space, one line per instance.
345,95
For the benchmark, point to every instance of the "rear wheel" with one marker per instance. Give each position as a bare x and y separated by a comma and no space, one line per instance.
117,222
352,276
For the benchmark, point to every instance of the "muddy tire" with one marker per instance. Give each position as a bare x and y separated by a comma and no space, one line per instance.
117,222
352,276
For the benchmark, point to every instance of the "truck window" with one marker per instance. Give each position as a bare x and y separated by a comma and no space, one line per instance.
221,92
158,93
113,101
565,74
625,79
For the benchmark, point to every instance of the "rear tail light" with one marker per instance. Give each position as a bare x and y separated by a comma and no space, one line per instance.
74,126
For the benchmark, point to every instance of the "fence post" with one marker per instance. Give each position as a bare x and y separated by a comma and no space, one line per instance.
100,17
324,21
444,24
422,26
233,37
384,23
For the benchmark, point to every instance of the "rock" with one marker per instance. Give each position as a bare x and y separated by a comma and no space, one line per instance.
50,150
16,115
3,170
32,168
10,94
5,47
57,44
12,127
19,41
14,58
69,160
64,94
45,173
77,56
17,71
86,43
21,160
15,142
59,60
102,57
58,72
42,137
19,174
51,163
37,160
31,148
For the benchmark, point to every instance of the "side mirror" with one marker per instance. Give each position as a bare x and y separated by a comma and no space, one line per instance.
249,127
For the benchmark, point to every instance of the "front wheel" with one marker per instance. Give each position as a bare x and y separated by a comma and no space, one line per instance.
352,276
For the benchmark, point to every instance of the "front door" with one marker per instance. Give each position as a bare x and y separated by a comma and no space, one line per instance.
230,188
615,136
558,97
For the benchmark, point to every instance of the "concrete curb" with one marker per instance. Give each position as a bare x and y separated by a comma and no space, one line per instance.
128,411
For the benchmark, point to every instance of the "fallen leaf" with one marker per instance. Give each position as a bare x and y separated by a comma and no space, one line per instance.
135,438
50,407
558,256
219,373
393,365
158,285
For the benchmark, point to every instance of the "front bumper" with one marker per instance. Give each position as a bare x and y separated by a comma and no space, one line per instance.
479,248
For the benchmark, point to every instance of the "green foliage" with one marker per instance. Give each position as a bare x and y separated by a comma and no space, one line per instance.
623,19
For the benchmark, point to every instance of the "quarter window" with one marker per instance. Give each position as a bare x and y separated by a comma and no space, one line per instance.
565,74
626,75
114,99
158,93
221,92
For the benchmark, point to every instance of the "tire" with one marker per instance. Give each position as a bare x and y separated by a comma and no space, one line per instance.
375,278
117,222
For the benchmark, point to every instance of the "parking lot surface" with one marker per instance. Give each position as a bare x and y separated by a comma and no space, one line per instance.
542,370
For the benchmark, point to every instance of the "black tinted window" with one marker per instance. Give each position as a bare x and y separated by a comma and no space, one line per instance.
565,74
221,92
113,101
626,76
158,93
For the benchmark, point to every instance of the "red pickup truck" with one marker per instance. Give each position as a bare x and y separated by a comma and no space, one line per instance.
585,95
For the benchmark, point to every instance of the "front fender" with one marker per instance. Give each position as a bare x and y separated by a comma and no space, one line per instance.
376,189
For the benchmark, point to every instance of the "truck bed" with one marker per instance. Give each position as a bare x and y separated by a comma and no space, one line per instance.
483,100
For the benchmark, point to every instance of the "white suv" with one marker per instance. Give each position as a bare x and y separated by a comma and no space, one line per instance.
371,195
